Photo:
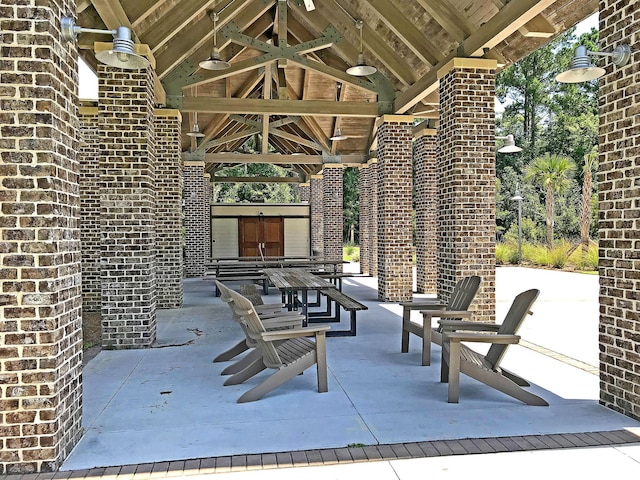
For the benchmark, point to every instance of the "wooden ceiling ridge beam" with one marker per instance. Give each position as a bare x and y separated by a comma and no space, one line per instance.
406,31
501,25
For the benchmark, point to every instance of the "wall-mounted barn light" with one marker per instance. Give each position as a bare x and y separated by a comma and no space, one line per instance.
582,70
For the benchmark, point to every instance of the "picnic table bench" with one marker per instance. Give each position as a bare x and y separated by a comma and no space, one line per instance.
339,299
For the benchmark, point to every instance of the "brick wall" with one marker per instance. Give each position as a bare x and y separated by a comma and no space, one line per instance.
333,192
364,192
40,292
373,216
466,169
128,202
395,265
90,235
305,192
619,199
426,202
317,216
169,184
197,219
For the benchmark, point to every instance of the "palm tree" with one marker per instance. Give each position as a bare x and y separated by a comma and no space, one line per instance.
590,163
553,173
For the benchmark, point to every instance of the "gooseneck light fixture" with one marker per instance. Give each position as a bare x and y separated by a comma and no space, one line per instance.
582,70
214,62
361,69
121,55
509,145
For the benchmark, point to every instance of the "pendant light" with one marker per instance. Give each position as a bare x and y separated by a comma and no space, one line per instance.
361,69
214,62
338,136
195,133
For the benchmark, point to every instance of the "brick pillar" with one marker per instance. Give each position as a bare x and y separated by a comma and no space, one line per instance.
40,285
208,194
395,264
333,193
317,216
169,209
373,216
467,180
90,234
305,192
364,192
196,219
128,202
619,224
426,211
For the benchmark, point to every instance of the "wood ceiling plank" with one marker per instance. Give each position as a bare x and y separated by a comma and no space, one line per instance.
538,27
279,107
139,10
406,31
256,179
310,122
512,16
231,137
448,17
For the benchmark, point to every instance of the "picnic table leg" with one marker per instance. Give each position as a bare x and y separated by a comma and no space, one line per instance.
305,308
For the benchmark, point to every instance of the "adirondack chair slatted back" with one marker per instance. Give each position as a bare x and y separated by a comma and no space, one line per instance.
226,294
463,293
255,327
520,308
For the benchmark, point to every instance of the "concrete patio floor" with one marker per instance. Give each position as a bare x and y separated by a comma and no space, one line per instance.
168,403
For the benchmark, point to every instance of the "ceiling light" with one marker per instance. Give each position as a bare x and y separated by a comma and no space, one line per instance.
214,62
308,4
196,133
338,136
509,145
121,55
361,69
582,70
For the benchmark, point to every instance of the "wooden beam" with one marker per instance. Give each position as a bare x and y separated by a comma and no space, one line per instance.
139,10
310,122
216,179
500,26
448,17
266,94
294,138
232,137
538,27
173,22
279,107
406,31
275,159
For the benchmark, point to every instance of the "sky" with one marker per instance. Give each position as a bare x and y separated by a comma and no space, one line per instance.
88,88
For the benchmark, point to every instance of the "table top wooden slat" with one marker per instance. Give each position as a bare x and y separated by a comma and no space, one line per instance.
296,279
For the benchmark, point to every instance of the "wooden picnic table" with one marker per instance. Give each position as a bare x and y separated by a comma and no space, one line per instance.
293,280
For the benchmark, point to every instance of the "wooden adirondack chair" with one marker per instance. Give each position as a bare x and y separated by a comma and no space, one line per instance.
274,319
461,297
287,351
457,358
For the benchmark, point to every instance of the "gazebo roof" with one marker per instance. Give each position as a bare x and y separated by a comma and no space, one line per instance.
287,81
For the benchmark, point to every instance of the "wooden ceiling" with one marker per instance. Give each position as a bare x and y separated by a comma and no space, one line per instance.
287,82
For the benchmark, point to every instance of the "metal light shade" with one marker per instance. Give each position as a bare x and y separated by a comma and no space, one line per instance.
361,69
214,62
509,145
196,133
122,54
338,136
581,70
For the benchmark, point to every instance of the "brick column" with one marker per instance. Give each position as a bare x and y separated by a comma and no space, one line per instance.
364,192
467,180
40,285
169,209
196,219
426,211
317,216
618,205
373,216
305,192
395,265
333,193
128,202
90,234
208,194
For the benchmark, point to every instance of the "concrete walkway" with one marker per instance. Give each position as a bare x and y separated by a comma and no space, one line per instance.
149,409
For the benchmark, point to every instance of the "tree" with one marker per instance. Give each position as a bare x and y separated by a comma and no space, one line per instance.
351,204
553,173
590,164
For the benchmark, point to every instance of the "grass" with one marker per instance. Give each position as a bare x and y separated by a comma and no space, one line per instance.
351,253
542,256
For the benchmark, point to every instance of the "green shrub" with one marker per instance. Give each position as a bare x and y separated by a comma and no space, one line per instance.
585,262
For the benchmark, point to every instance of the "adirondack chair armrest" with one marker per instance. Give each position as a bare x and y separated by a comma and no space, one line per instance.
270,315
269,307
289,321
481,338
447,313
424,305
293,333
448,325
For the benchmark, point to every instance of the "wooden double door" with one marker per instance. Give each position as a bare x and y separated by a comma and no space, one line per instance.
261,236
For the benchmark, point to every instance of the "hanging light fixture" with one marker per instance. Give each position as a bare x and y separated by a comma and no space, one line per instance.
121,55
509,145
361,69
582,70
195,133
214,62
338,136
